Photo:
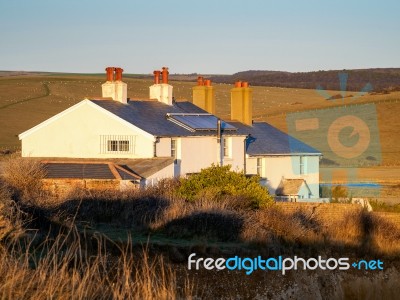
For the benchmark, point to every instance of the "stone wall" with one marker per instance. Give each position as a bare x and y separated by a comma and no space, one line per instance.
334,211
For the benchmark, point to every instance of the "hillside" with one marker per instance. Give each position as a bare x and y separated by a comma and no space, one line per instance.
381,79
27,100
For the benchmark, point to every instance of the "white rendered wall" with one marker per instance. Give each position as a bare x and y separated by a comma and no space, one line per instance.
77,134
196,153
236,153
167,172
164,147
276,167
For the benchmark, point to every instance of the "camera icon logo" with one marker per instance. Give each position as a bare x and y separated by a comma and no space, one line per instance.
346,135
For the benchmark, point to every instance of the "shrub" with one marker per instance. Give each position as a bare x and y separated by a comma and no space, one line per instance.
338,192
218,182
24,176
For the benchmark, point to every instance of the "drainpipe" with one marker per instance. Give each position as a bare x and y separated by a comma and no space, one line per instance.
219,142
156,140
244,153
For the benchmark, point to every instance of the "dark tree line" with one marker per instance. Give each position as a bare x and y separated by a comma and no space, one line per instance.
384,79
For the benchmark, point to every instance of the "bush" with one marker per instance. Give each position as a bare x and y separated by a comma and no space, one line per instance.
218,182
338,192
24,176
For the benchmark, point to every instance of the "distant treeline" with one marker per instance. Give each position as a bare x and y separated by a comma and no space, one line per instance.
383,79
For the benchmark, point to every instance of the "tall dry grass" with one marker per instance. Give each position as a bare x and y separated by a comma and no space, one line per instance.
159,210
64,268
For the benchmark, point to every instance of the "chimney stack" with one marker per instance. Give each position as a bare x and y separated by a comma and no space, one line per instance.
203,95
115,89
242,103
161,91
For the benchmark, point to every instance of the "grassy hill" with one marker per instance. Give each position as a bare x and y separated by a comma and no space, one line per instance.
26,100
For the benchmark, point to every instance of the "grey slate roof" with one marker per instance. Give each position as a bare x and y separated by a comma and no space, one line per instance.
151,116
81,168
73,170
268,140
288,187
147,166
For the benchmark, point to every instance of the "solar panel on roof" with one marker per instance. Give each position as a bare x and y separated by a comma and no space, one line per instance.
198,122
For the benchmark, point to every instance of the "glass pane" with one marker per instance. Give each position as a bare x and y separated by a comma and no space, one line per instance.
112,145
123,145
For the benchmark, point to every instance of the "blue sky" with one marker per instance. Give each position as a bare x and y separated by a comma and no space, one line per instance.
198,36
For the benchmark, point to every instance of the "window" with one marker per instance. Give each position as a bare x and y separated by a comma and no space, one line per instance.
112,146
122,146
117,144
303,166
226,147
259,167
173,149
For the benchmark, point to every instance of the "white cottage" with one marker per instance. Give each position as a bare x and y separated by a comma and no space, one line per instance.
160,138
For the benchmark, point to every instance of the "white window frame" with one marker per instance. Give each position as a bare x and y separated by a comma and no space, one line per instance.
302,165
117,144
174,149
227,147
259,166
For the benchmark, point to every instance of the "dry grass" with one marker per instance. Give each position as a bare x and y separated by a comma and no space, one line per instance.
65,263
158,210
62,269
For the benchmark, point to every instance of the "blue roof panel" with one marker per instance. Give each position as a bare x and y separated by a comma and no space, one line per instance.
198,122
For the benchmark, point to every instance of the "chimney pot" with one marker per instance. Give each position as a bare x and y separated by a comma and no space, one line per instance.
110,73
207,82
245,84
118,74
200,81
156,76
238,84
165,75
